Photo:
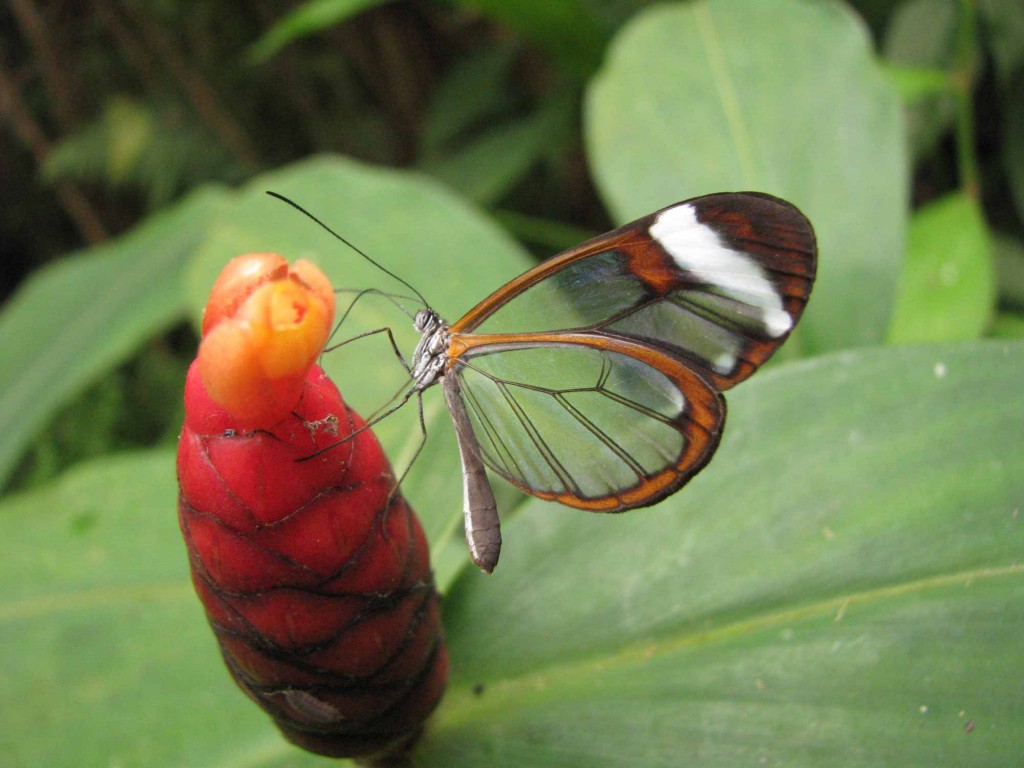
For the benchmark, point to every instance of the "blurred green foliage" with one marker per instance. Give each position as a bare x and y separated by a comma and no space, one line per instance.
453,141
116,113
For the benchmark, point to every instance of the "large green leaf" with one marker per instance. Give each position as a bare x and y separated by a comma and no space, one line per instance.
77,318
107,656
842,586
772,95
418,230
948,287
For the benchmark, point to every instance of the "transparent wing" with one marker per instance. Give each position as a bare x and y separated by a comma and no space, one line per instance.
719,281
595,423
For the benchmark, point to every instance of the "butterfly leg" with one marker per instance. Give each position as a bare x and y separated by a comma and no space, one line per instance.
374,332
419,448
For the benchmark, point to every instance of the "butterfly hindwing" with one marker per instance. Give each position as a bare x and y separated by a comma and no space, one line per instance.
599,424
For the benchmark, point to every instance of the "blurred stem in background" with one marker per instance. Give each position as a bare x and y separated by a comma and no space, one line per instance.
963,78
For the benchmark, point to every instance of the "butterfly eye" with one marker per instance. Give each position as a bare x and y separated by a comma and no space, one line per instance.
424,321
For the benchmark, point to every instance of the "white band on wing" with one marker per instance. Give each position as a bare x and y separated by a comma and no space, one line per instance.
697,248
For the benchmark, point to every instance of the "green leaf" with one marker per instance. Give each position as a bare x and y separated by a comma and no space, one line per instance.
842,586
104,640
947,290
571,32
75,319
842,591
136,404
777,96
309,18
417,229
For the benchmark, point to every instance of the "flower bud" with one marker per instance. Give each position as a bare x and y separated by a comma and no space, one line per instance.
263,328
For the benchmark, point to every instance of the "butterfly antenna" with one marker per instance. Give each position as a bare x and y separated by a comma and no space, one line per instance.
379,266
394,298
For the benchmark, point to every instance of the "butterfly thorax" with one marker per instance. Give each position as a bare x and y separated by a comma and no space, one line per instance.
431,353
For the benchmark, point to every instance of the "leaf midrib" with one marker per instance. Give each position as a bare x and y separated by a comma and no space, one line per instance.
43,605
462,704
727,93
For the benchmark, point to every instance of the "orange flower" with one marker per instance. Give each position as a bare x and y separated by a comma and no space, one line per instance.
263,327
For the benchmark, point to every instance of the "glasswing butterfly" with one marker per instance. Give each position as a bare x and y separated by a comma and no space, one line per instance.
595,379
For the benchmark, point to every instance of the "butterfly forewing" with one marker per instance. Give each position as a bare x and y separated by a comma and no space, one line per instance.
718,281
602,426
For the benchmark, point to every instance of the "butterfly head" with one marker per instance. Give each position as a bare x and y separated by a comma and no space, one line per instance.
427,321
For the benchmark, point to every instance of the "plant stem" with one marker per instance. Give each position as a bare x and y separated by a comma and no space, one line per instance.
63,83
962,78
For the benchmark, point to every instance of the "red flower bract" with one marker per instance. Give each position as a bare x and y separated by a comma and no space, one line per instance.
313,570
